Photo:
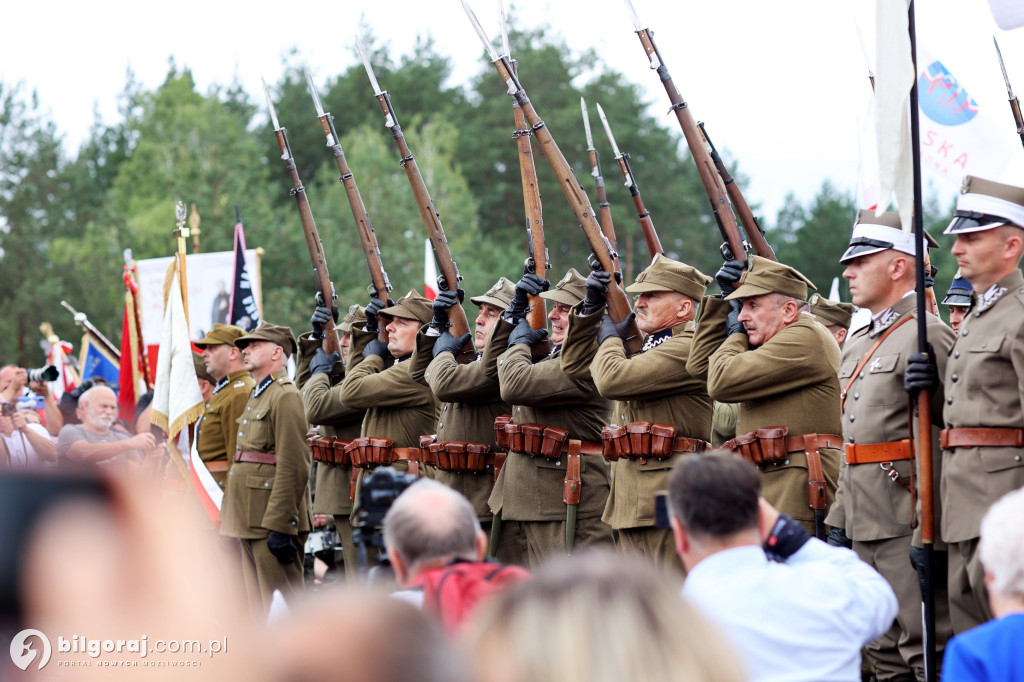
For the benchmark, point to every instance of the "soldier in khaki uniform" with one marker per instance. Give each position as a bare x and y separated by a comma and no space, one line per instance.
378,379
835,316
216,432
469,393
651,386
774,359
529,491
874,505
982,455
322,403
267,503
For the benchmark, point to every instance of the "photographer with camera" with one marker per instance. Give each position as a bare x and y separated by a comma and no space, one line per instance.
13,382
437,548
23,444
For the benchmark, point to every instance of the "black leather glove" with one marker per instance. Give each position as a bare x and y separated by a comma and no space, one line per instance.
529,285
323,362
929,277
319,318
728,275
940,565
732,320
614,330
280,545
597,288
446,343
786,538
373,307
378,348
445,299
837,538
922,373
523,333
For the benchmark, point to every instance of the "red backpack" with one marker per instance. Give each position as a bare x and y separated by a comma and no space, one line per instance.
452,592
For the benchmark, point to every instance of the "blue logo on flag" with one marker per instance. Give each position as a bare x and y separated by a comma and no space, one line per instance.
942,98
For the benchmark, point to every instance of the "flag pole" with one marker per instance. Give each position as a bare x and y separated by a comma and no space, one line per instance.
924,438
181,232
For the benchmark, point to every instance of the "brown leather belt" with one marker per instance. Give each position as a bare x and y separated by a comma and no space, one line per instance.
825,440
218,466
255,457
876,453
641,440
772,444
981,437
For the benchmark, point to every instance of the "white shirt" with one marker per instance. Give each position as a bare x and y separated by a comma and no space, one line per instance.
805,619
22,454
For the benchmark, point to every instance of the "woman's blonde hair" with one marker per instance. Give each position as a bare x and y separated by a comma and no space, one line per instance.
599,617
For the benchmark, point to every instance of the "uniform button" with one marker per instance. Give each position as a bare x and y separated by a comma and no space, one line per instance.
1016,458
440,425
949,400
293,524
853,417
956,354
239,433
861,375
445,408
426,375
977,314
856,396
245,421
500,363
266,484
954,377
984,345
248,408
963,332
786,462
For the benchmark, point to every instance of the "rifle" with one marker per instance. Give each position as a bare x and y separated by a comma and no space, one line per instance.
646,223
602,199
705,167
618,304
1014,102
82,321
379,282
755,233
325,288
431,220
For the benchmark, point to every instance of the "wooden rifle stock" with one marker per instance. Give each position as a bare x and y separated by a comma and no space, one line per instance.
432,222
325,288
618,303
367,237
755,235
705,166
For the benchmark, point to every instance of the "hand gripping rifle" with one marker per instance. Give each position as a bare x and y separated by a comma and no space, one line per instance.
431,219
379,282
618,304
325,288
1014,102
705,166
646,223
750,224
602,199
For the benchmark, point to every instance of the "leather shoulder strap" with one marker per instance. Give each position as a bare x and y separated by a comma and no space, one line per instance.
867,356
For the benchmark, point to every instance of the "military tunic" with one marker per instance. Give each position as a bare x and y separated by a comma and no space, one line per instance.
791,380
216,434
874,509
529,489
984,384
265,497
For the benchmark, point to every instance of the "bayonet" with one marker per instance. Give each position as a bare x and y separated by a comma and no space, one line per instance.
504,30
607,227
1014,102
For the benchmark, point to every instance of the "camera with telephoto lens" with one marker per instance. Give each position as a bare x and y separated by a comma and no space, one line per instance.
378,492
48,373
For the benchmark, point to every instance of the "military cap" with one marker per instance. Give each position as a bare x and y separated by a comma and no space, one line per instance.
764,276
355,315
500,295
984,204
831,312
274,333
412,306
570,290
959,292
220,335
201,371
665,274
873,233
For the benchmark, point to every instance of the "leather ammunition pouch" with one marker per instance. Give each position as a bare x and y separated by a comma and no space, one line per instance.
329,451
641,440
537,440
501,437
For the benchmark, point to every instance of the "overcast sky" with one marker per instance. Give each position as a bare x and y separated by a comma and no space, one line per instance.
781,84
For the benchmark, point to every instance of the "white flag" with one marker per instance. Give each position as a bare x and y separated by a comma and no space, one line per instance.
177,400
894,76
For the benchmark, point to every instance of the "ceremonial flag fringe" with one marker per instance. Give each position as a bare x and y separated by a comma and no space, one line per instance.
244,312
429,272
177,400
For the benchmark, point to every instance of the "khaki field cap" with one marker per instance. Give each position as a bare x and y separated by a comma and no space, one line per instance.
665,274
570,290
221,335
412,306
764,276
274,333
872,234
355,315
500,295
984,204
830,312
200,366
